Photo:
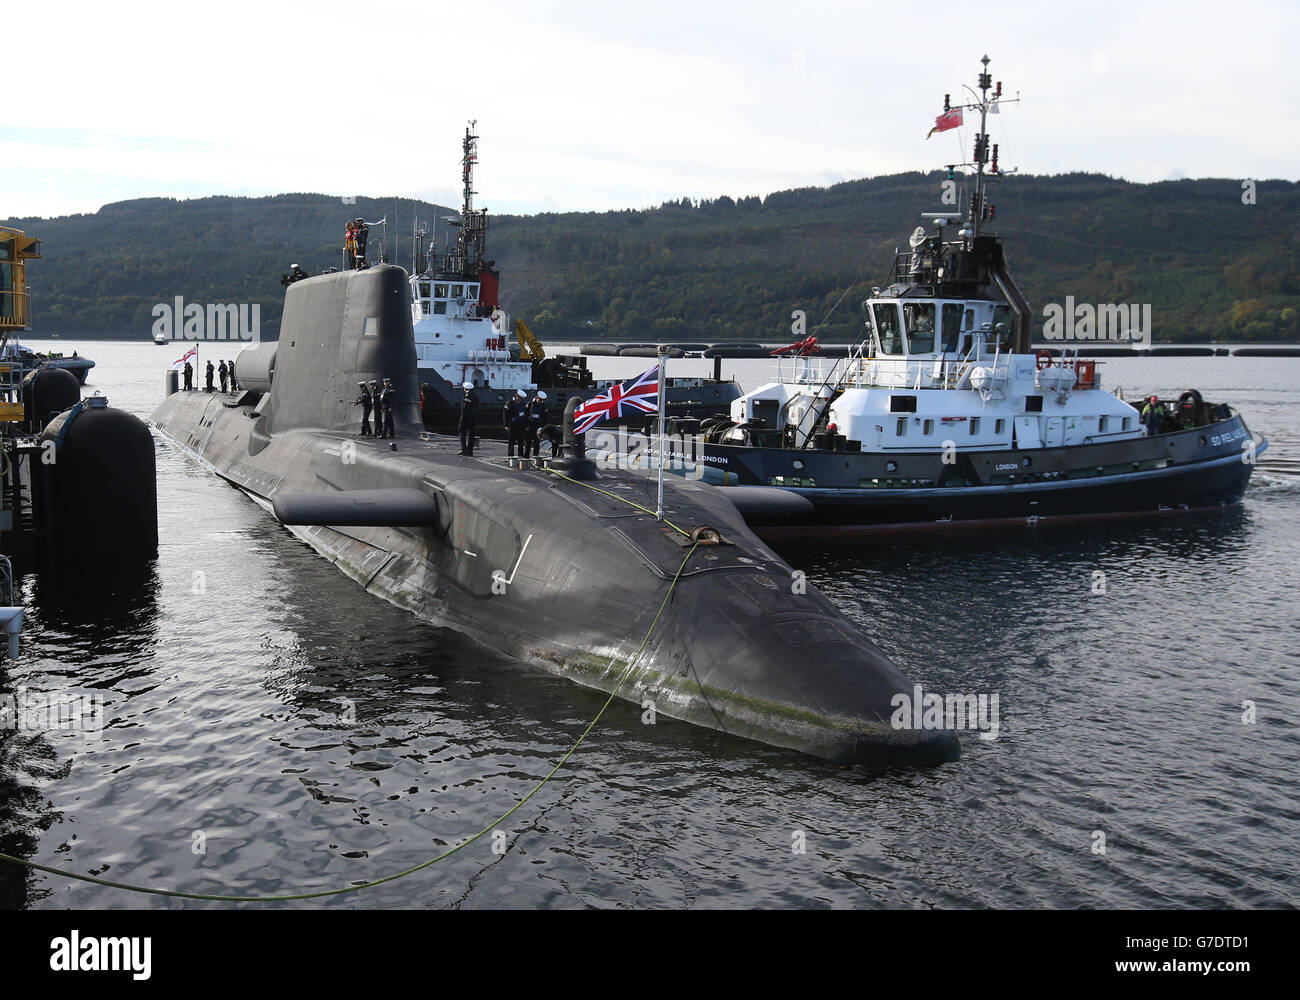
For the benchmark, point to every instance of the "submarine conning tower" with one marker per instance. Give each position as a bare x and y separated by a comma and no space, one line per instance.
338,329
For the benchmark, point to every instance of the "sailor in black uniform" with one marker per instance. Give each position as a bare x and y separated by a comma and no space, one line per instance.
363,233
388,398
515,418
468,419
365,402
189,376
211,371
536,420
222,376
230,370
553,436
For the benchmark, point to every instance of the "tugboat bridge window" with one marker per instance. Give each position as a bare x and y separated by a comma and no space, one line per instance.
887,328
439,291
951,325
1002,315
920,327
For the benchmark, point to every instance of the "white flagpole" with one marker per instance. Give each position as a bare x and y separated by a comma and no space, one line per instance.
663,442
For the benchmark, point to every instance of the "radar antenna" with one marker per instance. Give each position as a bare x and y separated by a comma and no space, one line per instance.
985,157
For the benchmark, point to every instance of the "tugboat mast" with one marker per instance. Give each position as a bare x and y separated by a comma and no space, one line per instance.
465,260
469,155
471,240
978,201
979,210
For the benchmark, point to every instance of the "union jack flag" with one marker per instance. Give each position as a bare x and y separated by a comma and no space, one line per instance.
640,395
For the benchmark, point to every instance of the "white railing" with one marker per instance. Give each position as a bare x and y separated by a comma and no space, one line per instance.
792,369
863,369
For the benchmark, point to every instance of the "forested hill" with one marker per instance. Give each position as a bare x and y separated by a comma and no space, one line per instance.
1211,267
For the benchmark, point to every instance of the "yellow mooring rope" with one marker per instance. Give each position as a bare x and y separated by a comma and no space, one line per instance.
615,496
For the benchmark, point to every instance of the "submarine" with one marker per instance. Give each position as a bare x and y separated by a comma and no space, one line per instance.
572,574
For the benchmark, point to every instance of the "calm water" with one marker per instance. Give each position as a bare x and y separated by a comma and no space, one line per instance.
1120,713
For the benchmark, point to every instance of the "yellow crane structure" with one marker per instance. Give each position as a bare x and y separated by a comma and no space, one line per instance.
530,348
16,249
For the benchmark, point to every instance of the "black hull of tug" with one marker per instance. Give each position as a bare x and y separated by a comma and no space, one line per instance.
441,411
1201,467
541,568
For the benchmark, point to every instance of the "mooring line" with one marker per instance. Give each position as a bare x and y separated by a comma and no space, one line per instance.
176,894
615,496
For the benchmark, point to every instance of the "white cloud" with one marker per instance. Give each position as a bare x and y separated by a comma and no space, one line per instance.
589,106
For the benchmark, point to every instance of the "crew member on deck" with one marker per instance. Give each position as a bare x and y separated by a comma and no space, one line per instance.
189,376
365,402
388,399
468,419
363,233
211,371
1153,415
222,376
230,370
515,418
537,412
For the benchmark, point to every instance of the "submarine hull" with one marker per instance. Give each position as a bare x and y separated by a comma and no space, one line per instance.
541,567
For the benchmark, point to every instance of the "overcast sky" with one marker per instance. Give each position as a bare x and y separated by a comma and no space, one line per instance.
611,105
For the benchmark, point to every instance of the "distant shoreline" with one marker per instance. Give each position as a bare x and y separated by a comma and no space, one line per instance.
237,345
1102,351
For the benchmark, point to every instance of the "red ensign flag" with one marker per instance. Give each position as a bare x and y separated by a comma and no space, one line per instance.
946,121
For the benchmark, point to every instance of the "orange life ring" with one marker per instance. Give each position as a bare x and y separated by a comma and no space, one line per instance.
1043,359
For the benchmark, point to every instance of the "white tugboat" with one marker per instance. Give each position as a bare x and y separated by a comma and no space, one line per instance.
463,335
942,413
